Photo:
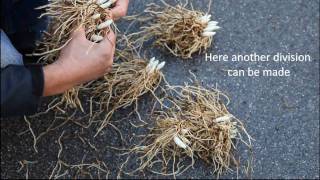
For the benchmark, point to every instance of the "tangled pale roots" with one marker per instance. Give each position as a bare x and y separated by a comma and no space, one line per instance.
127,82
197,125
181,31
65,16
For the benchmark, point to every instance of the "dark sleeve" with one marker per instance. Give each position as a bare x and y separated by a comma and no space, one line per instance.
19,19
21,89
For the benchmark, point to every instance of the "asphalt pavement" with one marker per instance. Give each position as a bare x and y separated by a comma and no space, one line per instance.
280,113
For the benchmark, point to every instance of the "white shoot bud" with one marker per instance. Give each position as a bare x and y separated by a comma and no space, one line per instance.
211,28
152,59
185,140
234,132
208,34
155,63
96,38
105,24
205,19
153,66
224,118
96,16
148,67
101,1
179,142
150,64
184,131
107,4
160,66
214,23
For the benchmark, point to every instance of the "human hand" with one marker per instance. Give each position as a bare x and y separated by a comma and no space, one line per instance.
79,62
120,9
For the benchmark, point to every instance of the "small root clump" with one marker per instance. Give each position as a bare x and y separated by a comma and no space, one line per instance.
127,82
65,16
181,31
197,125
71,99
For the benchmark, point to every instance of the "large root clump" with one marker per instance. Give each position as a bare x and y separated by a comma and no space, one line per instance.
181,31
198,125
65,16
127,82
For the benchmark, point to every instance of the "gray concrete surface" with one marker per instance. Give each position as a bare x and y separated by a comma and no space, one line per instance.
281,113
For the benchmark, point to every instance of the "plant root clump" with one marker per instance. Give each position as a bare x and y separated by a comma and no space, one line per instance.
196,126
181,31
65,16
127,82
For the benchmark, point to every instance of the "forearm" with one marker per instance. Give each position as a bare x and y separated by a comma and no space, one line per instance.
56,80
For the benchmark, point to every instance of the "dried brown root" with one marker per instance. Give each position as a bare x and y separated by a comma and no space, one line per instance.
198,125
62,169
52,127
32,133
71,98
125,49
24,164
181,31
126,82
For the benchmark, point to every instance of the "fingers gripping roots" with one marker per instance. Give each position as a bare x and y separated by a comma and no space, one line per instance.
66,16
